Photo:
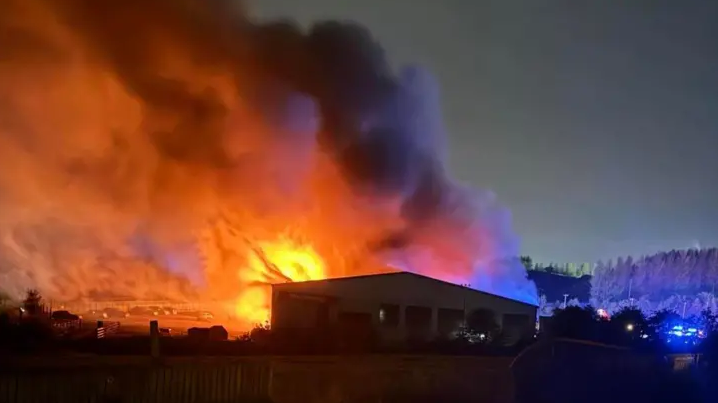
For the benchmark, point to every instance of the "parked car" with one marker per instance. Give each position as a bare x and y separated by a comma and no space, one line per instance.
114,313
64,316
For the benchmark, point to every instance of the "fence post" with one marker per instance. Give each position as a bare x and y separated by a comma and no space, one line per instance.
155,339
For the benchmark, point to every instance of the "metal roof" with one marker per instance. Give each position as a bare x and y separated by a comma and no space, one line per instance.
398,273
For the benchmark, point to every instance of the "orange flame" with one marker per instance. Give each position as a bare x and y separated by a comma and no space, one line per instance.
283,260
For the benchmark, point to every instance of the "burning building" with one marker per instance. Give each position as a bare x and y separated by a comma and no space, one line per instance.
394,306
176,150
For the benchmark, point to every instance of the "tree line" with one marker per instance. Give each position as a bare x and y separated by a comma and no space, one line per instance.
563,269
677,277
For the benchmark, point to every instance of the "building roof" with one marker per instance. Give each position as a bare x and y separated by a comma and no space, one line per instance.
398,273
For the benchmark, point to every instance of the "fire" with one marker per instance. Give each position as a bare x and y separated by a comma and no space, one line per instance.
172,168
272,262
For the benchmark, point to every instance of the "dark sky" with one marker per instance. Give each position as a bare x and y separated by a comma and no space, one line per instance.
595,122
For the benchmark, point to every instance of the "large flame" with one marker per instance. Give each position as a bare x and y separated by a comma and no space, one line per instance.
172,149
280,261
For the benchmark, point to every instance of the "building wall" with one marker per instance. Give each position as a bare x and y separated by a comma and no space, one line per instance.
425,307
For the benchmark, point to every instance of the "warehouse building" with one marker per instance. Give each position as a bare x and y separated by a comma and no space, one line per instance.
395,307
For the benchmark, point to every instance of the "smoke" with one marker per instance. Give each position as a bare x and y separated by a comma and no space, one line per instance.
147,144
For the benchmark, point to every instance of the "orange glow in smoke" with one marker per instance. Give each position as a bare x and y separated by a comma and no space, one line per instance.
291,261
195,176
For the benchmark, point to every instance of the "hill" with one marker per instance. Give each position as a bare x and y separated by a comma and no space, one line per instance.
554,286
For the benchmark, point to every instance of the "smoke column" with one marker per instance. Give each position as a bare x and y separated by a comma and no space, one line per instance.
147,145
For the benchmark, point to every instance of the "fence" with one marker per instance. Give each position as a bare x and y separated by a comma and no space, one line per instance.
391,379
681,362
64,326
105,329
563,370
80,307
319,379
188,382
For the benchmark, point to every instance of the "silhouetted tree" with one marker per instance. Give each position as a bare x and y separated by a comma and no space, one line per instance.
586,269
32,304
574,322
627,326
527,262
566,269
691,274
260,334
660,323
709,320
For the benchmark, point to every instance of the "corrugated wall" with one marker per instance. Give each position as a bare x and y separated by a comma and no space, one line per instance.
569,371
318,379
184,383
391,379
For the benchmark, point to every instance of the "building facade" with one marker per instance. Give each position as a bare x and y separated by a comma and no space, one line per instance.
393,306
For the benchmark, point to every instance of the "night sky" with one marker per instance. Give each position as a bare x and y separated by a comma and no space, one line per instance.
595,122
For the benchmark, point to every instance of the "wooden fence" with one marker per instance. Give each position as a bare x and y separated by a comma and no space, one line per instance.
184,383
105,329
64,326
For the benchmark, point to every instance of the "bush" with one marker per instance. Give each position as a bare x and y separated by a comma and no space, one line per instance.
480,327
574,322
25,336
260,334
626,327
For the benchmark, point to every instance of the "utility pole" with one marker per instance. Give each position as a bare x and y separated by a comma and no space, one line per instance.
683,316
565,298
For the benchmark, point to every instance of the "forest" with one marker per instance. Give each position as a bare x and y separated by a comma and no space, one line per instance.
683,281
680,280
565,269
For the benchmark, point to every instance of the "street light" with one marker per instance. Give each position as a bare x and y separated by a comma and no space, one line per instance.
629,327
